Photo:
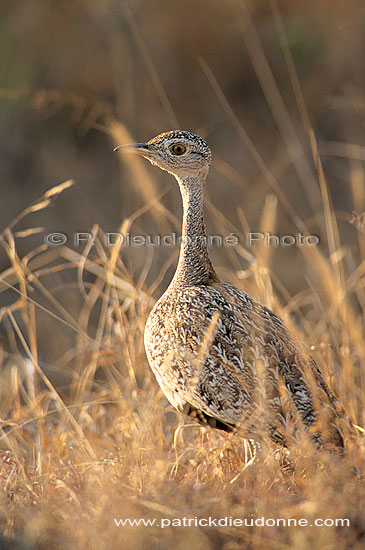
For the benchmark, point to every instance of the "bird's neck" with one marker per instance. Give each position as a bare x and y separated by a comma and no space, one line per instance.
194,267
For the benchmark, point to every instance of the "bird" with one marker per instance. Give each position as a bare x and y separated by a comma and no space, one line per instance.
219,355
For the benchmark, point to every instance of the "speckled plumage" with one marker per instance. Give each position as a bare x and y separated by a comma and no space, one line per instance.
218,354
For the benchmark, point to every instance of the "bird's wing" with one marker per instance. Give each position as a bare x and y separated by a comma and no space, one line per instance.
248,367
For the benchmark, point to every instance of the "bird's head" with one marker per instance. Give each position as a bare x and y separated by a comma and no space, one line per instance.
180,153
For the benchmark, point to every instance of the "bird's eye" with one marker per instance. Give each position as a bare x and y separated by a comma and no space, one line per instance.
177,148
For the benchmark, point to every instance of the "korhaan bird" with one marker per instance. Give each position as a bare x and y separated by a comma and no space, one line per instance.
219,355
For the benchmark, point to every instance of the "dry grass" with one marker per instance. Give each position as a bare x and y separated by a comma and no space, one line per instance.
87,437
105,446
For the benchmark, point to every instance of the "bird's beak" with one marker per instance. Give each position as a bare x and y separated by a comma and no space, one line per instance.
139,148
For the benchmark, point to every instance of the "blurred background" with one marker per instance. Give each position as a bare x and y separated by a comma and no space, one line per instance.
77,76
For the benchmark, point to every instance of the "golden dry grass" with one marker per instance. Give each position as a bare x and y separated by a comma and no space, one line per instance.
105,446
